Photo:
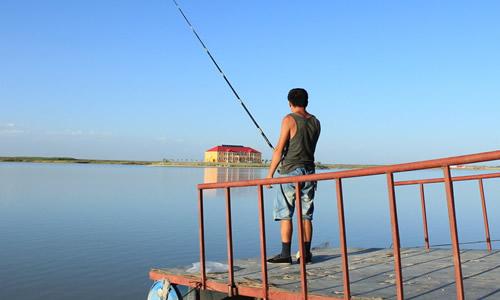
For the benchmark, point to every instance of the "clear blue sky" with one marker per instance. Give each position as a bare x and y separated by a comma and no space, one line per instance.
391,81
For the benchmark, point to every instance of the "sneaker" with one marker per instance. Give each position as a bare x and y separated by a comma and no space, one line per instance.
278,259
309,258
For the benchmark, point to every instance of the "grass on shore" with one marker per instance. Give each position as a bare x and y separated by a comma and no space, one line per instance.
167,163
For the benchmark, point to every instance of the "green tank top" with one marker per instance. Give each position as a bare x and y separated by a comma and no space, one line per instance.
301,147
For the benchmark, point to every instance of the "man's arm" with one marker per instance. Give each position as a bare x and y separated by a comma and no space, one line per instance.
278,151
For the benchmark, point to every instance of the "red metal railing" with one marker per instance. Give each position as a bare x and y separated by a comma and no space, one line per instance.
479,178
389,171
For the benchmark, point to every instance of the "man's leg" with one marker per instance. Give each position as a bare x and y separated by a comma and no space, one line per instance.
286,231
308,231
286,237
307,197
283,212
286,243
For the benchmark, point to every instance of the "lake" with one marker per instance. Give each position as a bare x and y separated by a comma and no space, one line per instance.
72,231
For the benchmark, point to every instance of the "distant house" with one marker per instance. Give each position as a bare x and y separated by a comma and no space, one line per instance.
233,154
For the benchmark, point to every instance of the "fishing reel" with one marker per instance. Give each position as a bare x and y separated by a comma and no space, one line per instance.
163,290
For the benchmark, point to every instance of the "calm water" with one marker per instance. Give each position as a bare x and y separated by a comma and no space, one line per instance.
94,231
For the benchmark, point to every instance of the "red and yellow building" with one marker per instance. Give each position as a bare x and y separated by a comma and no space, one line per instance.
233,154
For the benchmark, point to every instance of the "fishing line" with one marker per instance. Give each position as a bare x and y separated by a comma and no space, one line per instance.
224,76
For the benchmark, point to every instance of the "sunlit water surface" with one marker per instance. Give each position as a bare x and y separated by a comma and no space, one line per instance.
93,231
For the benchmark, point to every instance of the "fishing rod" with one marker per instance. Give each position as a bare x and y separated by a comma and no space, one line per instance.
224,76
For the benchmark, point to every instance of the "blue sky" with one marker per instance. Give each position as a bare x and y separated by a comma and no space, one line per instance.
391,81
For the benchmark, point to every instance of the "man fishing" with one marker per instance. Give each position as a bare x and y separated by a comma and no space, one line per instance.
299,135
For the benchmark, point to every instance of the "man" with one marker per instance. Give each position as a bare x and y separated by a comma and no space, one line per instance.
299,134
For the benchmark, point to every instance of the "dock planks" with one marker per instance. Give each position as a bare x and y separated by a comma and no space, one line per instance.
426,275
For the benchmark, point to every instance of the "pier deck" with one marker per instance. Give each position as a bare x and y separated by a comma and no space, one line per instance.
426,275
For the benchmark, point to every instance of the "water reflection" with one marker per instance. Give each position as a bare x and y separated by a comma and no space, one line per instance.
212,175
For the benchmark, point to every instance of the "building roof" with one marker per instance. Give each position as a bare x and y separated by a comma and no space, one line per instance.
233,148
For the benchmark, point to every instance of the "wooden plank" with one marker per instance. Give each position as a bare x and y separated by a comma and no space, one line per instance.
426,275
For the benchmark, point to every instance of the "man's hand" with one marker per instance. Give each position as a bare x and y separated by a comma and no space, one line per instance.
269,186
278,151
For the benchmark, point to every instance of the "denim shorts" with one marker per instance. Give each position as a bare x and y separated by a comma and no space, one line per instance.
284,204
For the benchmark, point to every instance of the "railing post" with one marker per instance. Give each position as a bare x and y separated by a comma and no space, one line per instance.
343,243
263,254
424,216
395,236
229,234
453,232
485,216
202,240
300,225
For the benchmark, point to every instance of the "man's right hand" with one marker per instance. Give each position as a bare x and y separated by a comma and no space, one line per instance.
268,185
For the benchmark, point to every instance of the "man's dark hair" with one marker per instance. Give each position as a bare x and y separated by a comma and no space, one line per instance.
298,97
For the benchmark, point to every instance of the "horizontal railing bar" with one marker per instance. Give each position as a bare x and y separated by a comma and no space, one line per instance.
420,165
456,178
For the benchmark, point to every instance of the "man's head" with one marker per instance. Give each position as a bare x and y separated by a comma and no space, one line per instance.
298,97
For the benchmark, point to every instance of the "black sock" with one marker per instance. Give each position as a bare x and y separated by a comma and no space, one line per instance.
308,247
285,249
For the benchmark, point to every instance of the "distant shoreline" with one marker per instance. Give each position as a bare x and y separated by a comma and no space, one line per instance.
198,164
